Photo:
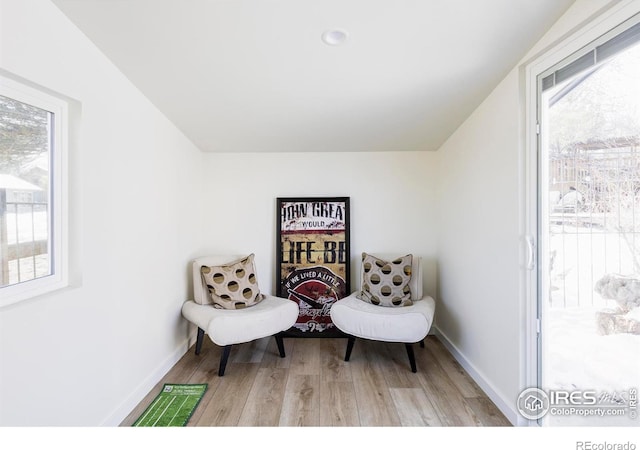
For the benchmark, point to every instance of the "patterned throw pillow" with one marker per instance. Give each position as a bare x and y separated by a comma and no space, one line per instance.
233,285
386,283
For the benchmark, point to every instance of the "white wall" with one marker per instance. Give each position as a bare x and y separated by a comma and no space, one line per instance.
481,308
478,308
85,355
392,198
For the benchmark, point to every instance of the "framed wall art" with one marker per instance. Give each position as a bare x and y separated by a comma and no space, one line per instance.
313,260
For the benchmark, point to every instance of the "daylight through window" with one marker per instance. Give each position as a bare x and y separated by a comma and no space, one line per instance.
24,191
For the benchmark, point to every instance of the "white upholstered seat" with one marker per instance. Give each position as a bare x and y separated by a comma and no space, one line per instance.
405,324
228,327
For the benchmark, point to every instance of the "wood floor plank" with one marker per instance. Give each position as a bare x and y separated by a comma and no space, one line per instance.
338,405
397,372
272,357
206,372
449,403
264,402
333,367
250,352
414,408
300,407
375,405
305,359
465,384
488,412
228,401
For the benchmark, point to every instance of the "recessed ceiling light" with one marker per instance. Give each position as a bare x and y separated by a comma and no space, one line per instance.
334,37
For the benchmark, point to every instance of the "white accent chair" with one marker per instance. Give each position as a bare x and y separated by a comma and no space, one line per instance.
227,327
404,324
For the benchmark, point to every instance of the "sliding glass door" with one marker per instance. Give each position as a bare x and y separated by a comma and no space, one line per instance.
589,234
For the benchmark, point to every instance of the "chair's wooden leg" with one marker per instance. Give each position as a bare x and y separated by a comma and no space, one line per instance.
280,343
199,340
350,343
422,343
412,357
223,359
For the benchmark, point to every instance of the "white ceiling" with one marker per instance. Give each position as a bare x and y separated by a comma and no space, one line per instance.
254,76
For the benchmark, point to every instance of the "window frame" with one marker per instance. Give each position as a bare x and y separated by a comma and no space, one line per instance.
58,193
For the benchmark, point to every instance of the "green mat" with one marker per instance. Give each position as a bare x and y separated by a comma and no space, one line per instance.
173,406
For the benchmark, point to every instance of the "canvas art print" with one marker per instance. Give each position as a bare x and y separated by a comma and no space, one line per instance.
313,259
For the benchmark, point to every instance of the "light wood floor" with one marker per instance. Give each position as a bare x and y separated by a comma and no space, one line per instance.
313,386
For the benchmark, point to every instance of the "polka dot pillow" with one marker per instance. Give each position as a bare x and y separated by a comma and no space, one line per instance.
386,283
233,285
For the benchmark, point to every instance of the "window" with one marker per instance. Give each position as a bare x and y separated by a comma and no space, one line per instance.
32,191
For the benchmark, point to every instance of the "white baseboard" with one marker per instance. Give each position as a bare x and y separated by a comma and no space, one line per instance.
116,418
504,406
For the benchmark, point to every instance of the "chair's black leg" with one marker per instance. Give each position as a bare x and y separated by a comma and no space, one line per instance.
422,343
412,358
280,343
223,359
199,340
350,343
